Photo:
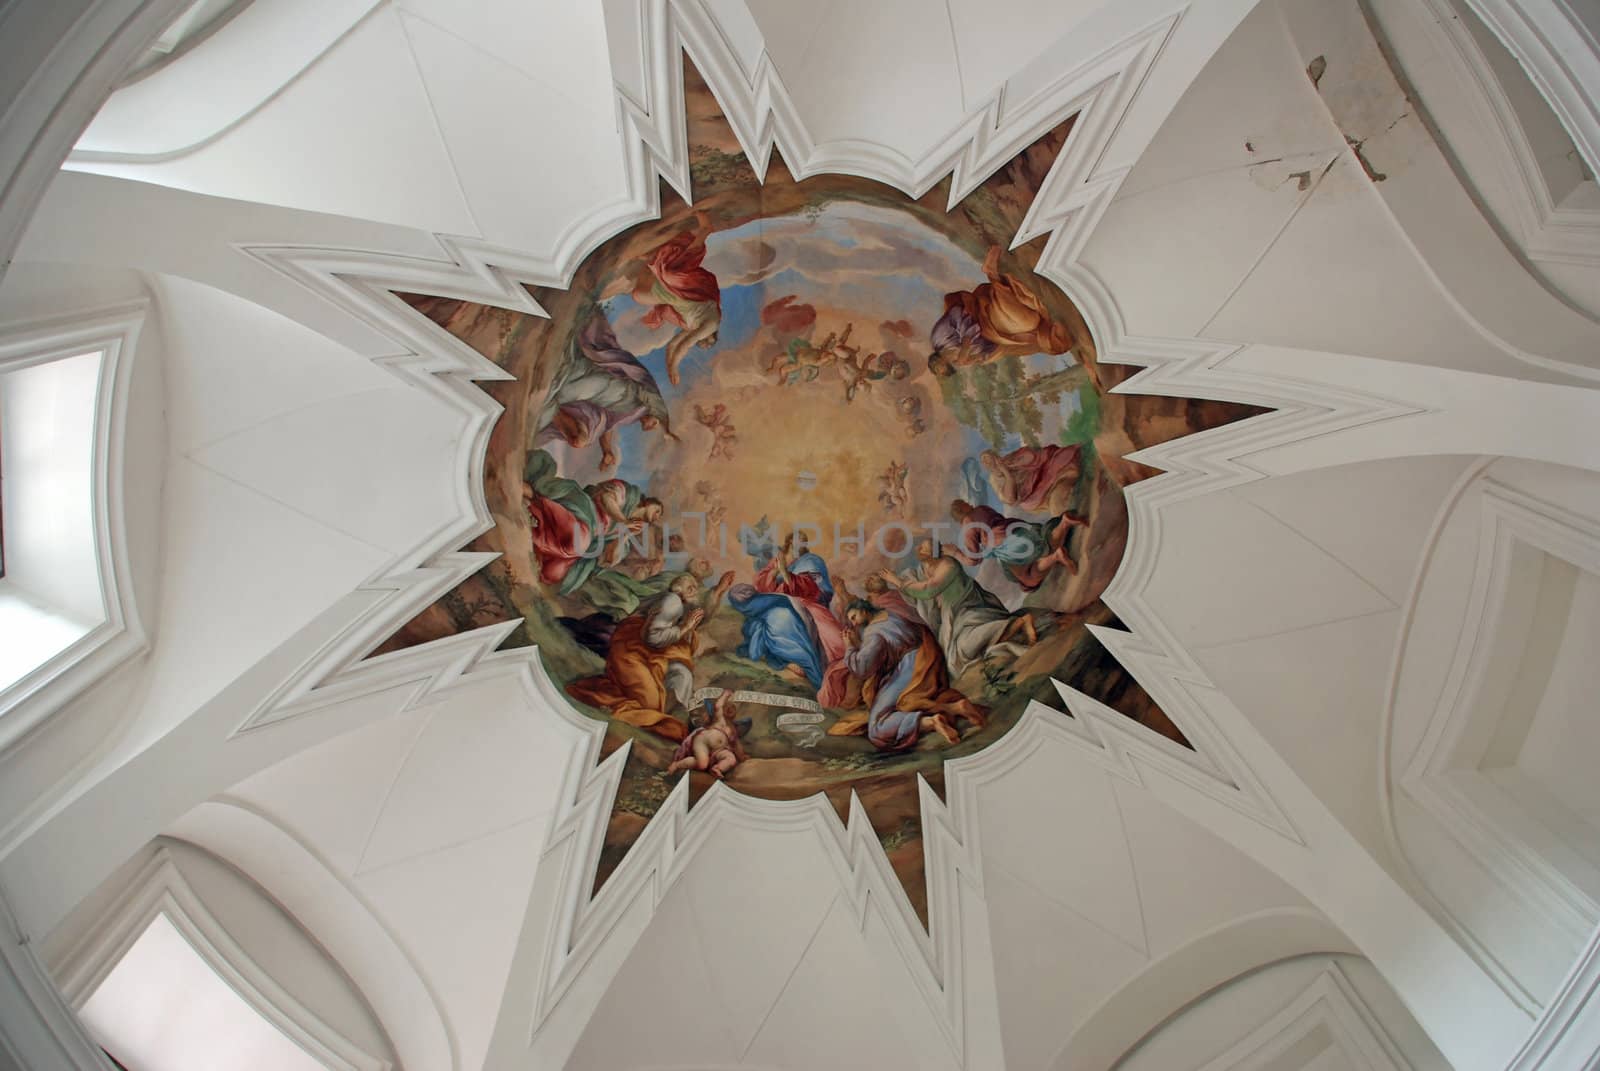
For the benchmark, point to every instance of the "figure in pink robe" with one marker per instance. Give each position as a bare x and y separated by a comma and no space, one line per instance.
1035,479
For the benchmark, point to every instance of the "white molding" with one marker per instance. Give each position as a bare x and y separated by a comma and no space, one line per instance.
159,888
1567,1035
114,332
1330,1002
1073,200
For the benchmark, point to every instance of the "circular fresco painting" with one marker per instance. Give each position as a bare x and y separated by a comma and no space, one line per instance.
808,486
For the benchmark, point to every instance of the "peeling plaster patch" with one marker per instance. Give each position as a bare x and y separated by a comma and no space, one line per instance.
1301,169
1361,158
1315,70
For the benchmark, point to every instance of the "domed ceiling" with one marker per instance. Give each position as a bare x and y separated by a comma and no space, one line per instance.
808,486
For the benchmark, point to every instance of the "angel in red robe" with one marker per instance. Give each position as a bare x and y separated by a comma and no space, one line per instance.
677,288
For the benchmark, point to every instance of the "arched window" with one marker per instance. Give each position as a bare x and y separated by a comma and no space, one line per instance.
66,602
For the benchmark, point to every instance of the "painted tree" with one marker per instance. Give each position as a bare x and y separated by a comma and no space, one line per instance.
1002,398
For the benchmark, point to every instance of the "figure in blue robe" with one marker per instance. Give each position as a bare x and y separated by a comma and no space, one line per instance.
788,620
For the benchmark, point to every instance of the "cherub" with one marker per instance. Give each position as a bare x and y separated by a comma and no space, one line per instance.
802,360
723,434
909,411
715,746
893,492
722,446
856,375
716,510
859,373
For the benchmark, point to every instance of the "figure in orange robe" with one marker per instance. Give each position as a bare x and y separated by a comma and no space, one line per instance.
649,662
999,318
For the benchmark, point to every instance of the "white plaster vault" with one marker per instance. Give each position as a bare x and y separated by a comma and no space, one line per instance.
1328,409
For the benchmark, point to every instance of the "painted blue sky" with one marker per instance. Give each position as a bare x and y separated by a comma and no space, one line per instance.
848,257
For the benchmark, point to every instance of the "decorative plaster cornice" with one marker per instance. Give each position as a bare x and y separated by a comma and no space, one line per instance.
1164,988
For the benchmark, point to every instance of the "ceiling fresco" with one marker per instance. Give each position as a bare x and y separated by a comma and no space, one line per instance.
808,487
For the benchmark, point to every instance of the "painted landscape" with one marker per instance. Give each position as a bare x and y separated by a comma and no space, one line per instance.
808,487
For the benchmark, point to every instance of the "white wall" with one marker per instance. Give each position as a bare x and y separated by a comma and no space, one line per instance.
276,943
1561,735
164,1006
298,471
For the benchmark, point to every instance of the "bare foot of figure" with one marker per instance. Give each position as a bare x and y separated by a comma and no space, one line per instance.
942,726
1023,624
1059,540
792,672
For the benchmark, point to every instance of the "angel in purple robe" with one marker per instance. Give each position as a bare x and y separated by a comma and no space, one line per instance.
604,388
